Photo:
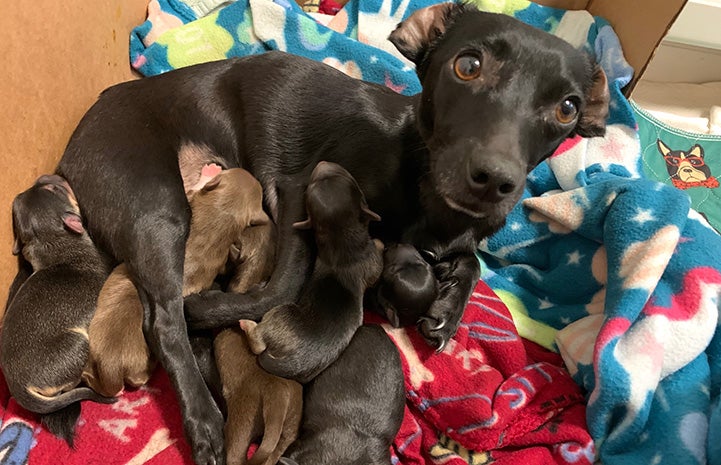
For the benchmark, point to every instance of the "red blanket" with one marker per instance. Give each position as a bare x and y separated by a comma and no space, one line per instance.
489,391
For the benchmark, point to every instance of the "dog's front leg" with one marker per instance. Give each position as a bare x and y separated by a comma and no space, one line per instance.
168,340
293,264
457,276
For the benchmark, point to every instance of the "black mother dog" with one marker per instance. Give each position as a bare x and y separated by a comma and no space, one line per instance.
442,168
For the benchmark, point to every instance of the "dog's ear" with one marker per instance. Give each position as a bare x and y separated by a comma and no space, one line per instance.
369,214
211,185
306,224
662,147
592,122
73,222
413,36
696,150
259,218
234,254
17,246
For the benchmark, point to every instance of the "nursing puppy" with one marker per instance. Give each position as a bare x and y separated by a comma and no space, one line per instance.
258,403
299,341
225,210
352,410
119,355
44,343
407,287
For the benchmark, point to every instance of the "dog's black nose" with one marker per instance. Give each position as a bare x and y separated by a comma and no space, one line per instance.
492,180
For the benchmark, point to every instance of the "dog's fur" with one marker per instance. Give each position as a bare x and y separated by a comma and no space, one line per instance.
228,216
407,288
443,168
300,341
44,343
259,404
352,411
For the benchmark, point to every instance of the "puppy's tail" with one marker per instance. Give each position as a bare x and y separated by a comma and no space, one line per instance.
32,399
274,419
62,423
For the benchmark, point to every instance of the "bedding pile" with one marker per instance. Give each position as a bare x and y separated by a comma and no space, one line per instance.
489,397
613,271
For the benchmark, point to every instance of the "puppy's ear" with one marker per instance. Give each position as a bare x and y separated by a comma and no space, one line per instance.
303,224
663,148
370,214
73,222
592,121
259,218
413,36
17,246
212,184
234,253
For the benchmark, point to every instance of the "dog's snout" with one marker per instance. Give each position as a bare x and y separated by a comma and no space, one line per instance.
492,180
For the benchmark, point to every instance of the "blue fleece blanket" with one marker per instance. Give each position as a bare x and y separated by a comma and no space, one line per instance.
613,270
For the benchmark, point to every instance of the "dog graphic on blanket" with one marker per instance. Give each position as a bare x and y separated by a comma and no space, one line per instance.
687,168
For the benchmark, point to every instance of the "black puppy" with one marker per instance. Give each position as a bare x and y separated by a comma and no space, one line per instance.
443,168
352,411
44,343
407,288
299,341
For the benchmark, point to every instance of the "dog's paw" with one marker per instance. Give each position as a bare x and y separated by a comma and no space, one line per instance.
436,332
205,435
441,321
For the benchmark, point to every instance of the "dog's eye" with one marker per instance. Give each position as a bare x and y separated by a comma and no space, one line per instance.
467,67
566,111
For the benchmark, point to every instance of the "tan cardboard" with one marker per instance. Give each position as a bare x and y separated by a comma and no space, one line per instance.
57,57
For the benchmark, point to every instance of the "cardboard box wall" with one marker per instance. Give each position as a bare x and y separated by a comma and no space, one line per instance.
58,56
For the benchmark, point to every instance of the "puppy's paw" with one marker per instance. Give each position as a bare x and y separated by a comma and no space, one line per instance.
441,321
205,435
253,336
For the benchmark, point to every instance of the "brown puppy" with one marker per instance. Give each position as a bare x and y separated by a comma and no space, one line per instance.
259,404
299,341
227,212
119,354
45,329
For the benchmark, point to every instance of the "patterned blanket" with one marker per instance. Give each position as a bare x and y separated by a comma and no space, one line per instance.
489,391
